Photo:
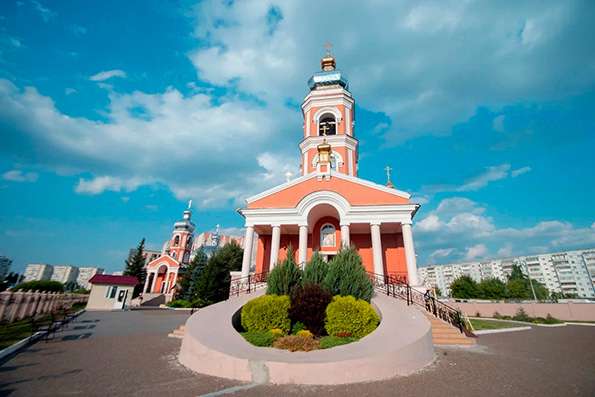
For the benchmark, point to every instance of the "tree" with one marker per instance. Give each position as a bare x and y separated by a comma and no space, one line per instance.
135,266
464,287
233,254
189,277
519,286
285,276
315,270
492,288
347,276
214,280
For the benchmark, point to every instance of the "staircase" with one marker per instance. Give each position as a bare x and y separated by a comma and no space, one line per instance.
444,334
153,300
178,333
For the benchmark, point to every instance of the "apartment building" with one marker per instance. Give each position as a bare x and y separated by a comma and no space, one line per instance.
570,272
61,273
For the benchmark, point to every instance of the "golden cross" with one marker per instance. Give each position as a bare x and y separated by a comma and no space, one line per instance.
324,129
328,47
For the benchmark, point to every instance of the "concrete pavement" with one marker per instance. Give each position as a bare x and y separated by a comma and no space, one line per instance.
128,354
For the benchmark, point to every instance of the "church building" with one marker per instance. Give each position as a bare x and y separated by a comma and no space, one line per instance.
329,206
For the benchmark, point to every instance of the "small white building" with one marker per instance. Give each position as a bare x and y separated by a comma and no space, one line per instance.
110,292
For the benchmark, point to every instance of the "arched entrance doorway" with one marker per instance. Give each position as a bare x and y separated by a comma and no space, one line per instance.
160,280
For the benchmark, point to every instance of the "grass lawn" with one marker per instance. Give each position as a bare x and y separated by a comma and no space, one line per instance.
14,332
489,324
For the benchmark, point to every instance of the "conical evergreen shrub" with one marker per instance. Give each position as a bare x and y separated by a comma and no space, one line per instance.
347,276
315,270
284,277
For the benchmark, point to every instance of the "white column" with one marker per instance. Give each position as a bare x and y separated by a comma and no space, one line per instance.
410,254
248,244
146,283
153,282
345,240
377,248
303,245
275,241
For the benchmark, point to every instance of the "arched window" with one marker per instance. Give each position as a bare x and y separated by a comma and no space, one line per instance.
327,125
176,241
327,236
173,255
189,241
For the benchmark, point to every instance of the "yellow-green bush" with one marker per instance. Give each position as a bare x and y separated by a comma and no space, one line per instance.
346,315
277,332
266,312
305,333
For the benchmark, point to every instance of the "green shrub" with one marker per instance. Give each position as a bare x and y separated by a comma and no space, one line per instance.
180,303
40,285
284,277
315,270
308,306
266,312
345,314
296,343
521,315
297,327
347,276
326,342
260,338
549,319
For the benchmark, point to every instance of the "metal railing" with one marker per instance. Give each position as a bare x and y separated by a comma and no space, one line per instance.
395,286
248,284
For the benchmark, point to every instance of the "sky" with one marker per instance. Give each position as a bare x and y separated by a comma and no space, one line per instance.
114,114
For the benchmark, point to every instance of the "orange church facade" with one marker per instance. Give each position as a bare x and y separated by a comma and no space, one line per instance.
328,206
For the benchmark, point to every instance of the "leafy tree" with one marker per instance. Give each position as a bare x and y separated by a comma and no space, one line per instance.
285,276
233,254
213,282
135,266
315,270
71,286
492,288
347,276
40,285
189,277
464,287
519,286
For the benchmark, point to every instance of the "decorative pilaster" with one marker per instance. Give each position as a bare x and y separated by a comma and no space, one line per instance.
345,239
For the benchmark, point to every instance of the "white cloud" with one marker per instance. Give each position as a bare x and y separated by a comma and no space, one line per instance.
216,153
409,60
520,171
45,13
100,184
70,91
491,174
498,123
19,176
476,251
108,74
460,229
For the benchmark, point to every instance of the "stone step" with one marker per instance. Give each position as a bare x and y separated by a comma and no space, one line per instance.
444,333
453,342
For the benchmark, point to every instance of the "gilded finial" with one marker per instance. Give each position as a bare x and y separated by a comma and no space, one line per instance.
327,63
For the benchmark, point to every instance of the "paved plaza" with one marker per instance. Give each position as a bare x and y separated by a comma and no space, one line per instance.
129,354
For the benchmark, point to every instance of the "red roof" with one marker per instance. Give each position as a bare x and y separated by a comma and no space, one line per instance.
113,279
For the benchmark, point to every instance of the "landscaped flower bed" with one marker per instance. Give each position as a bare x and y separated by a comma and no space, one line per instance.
324,306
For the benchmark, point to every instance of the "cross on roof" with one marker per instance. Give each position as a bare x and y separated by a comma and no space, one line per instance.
328,47
388,171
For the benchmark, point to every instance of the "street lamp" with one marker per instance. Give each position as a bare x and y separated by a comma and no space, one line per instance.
529,276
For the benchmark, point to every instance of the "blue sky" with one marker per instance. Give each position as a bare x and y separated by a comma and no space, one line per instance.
114,114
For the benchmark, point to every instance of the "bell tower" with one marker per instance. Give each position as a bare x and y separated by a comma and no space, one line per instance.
329,117
180,244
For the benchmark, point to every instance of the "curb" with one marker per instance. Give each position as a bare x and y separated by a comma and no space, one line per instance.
522,322
583,324
501,330
7,353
